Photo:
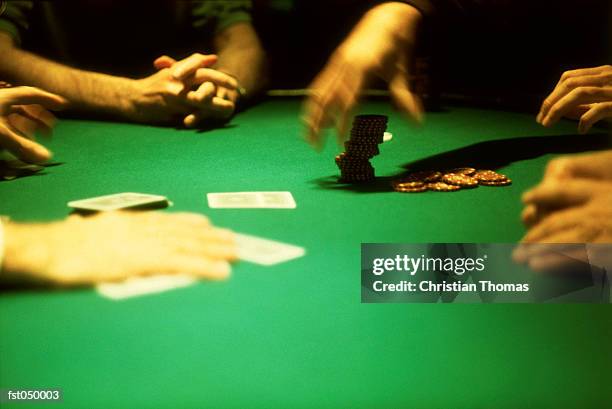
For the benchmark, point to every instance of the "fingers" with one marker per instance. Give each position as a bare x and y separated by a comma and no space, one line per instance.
43,119
23,126
22,147
163,62
216,108
562,194
592,165
569,83
313,118
525,252
31,95
406,101
578,96
585,71
205,92
335,94
218,78
553,227
529,215
189,66
596,113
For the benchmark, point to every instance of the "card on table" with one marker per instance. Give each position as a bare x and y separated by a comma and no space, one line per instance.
119,201
266,252
139,286
251,200
250,248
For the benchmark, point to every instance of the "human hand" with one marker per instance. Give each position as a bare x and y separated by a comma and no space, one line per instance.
117,245
585,94
211,93
581,213
377,47
553,196
568,180
23,112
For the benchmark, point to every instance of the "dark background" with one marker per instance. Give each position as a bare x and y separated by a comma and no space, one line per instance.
498,52
492,52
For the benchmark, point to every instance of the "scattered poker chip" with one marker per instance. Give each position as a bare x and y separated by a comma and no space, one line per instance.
502,182
459,180
410,187
442,187
403,184
463,171
419,189
427,176
488,176
450,181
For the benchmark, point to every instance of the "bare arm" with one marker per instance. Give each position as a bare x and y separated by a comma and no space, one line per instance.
86,91
241,55
158,98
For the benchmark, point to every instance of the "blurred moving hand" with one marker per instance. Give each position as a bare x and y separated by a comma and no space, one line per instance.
572,204
114,246
574,211
23,112
379,46
185,89
584,94
568,181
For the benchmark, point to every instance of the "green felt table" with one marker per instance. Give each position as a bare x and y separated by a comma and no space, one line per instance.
296,335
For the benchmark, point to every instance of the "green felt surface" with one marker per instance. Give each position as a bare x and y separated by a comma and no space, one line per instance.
296,335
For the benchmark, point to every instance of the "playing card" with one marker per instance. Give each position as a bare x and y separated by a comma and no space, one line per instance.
251,200
119,201
139,286
265,252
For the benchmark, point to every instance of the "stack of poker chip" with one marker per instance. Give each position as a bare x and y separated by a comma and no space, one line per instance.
449,181
367,133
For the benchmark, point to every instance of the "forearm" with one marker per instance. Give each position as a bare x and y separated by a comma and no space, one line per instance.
86,91
242,56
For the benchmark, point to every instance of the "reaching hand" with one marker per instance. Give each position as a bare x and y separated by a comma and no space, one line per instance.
23,112
378,47
585,94
114,246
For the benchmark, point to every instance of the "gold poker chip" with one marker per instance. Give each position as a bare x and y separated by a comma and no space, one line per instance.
462,171
419,189
427,176
442,187
488,176
459,180
502,182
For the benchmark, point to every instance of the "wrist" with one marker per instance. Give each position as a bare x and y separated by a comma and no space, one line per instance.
400,20
129,98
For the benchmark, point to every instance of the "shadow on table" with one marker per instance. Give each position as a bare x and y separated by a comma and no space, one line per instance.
15,169
483,155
